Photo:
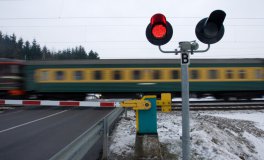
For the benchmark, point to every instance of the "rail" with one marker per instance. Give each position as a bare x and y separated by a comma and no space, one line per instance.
78,148
221,105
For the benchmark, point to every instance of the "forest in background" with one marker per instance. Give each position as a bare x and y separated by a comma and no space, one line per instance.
11,47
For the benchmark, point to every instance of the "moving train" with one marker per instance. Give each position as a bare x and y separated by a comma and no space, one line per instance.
11,78
73,79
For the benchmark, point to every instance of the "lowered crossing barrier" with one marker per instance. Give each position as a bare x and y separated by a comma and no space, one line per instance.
60,103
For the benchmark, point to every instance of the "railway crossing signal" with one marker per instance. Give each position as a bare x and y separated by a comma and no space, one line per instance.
159,30
209,31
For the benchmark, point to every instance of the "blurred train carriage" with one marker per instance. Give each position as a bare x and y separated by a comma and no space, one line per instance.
221,78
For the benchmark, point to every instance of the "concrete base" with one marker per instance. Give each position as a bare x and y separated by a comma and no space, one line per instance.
147,147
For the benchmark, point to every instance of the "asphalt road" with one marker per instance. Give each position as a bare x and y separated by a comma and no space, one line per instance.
39,133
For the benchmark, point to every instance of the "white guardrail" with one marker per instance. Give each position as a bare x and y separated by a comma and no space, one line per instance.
78,148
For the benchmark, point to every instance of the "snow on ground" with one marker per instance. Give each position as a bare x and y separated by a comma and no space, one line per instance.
209,98
250,116
220,135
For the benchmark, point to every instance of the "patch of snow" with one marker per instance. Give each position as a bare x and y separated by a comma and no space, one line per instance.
220,135
260,99
257,142
123,138
209,98
254,116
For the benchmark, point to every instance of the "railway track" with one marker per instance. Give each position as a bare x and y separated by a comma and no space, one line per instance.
217,105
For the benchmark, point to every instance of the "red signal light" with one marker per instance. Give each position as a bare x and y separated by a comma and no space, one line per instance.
159,31
158,22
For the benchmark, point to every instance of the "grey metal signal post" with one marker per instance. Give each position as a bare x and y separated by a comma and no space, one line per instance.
186,48
209,30
185,105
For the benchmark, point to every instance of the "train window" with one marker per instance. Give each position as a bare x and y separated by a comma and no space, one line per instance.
2,70
194,74
14,69
78,75
213,74
175,74
258,74
97,75
156,74
136,75
44,75
229,74
117,75
59,75
242,74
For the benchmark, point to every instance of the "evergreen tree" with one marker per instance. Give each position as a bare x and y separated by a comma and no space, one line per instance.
6,47
13,47
93,55
35,51
1,44
26,51
45,53
20,45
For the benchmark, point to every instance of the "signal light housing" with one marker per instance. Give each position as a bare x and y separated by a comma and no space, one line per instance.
159,31
211,30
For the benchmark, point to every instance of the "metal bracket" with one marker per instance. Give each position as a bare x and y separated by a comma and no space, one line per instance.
165,102
190,50
142,104
136,104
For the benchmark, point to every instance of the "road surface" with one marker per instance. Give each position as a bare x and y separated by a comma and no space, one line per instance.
39,133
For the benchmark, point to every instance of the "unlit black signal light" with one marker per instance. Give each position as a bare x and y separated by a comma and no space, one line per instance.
159,31
211,30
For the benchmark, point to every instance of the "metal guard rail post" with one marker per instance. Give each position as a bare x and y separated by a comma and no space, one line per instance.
78,148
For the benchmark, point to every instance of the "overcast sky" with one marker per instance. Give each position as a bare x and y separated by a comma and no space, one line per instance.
116,28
